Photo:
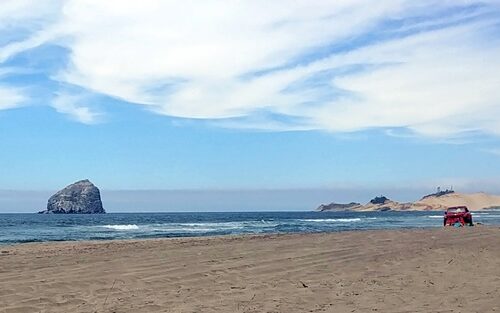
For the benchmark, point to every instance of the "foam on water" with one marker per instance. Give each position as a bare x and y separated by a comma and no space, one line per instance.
122,227
191,227
333,220
486,215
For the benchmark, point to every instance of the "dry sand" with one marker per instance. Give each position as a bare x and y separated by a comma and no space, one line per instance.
437,270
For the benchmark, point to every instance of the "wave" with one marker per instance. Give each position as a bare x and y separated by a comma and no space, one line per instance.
221,225
122,227
198,227
435,216
168,229
209,227
487,215
334,220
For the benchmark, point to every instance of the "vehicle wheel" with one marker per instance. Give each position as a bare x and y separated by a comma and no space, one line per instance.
468,221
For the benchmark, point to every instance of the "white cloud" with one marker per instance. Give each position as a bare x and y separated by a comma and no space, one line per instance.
73,105
17,18
439,84
126,51
28,23
10,97
196,59
31,12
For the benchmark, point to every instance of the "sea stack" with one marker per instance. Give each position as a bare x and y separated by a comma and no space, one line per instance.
82,197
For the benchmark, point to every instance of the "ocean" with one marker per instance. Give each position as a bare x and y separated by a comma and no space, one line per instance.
19,228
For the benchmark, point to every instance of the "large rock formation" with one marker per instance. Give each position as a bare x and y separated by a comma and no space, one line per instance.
339,207
380,203
383,203
81,197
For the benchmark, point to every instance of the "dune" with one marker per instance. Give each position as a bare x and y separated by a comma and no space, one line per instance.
474,201
434,202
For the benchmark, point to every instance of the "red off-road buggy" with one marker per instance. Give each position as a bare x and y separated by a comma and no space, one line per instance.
457,216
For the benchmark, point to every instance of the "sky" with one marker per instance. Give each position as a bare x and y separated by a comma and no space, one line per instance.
247,104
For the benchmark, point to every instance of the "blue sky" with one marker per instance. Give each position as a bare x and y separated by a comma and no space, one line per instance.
252,95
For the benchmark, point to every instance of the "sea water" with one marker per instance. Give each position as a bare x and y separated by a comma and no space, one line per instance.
18,228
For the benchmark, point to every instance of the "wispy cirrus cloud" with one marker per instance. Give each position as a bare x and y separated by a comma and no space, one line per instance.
76,107
342,66
25,24
10,97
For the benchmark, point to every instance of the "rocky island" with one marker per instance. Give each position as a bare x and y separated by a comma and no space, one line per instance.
82,197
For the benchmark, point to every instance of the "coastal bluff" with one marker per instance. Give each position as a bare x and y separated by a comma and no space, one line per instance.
82,197
434,202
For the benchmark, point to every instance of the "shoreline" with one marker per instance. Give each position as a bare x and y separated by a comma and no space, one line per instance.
402,270
229,236
232,237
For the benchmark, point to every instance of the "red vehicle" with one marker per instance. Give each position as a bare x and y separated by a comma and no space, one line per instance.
457,216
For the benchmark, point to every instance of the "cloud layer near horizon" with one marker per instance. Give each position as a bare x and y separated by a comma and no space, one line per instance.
428,67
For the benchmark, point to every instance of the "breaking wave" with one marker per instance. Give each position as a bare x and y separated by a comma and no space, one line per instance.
122,227
333,220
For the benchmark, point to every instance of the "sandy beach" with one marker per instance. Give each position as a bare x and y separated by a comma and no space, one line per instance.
434,270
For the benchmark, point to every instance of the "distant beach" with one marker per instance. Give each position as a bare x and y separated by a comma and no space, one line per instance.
433,270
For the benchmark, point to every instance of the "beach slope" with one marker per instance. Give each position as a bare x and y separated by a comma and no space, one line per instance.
436,270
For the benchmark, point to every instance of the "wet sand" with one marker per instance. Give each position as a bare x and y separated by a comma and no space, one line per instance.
433,270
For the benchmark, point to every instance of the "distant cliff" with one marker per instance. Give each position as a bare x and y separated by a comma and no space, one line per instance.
82,197
439,193
339,206
433,202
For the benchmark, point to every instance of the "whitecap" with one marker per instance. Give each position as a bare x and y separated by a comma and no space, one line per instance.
330,220
122,227
487,216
